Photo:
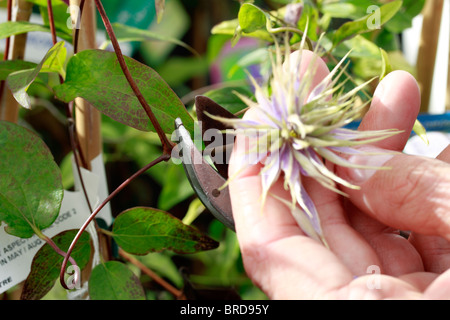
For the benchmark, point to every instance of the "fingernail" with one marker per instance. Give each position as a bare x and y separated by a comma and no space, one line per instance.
371,161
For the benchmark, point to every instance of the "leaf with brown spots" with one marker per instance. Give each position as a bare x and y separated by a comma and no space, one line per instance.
47,262
96,76
143,230
31,190
113,280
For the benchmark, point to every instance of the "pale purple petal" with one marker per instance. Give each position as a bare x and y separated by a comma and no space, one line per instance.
344,134
270,172
267,110
346,150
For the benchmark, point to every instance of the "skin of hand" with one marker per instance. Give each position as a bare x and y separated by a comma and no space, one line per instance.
367,257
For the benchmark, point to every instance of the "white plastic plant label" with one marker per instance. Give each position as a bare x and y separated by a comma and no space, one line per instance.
16,254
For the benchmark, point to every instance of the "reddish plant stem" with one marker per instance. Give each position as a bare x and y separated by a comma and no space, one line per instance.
167,286
52,244
166,143
162,158
51,21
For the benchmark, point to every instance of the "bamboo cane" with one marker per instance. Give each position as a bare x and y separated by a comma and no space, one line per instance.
432,15
9,109
88,119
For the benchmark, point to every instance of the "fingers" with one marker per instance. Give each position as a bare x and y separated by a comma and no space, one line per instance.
395,105
277,256
445,155
440,288
435,251
275,250
413,195
396,96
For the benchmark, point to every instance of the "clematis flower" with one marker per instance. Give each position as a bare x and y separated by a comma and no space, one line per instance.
298,128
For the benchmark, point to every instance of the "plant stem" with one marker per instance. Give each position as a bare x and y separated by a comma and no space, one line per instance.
167,286
51,21
166,143
52,244
163,157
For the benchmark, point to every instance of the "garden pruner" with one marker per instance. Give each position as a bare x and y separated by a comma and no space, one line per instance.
208,184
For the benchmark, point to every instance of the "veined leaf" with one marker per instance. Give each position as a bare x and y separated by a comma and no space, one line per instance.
106,88
12,28
366,24
20,81
9,66
30,182
143,230
403,20
113,280
47,263
251,18
229,28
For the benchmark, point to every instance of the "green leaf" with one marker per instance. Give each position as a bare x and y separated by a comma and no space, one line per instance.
229,28
346,9
113,280
20,81
12,28
367,23
127,34
46,264
359,46
30,182
143,230
9,66
403,19
310,18
106,88
227,98
251,18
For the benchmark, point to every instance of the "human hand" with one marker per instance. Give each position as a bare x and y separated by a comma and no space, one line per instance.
362,231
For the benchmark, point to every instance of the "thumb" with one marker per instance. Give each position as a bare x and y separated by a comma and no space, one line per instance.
411,195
